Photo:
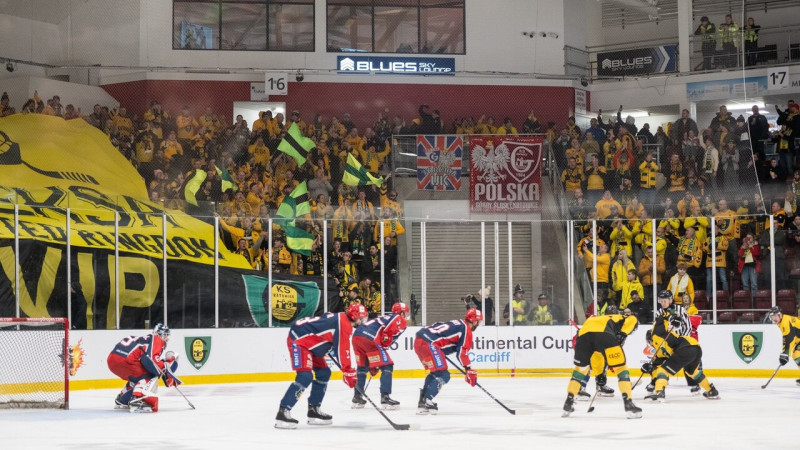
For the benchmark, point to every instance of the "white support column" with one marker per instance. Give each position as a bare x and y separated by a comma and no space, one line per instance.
423,273
570,275
325,265
684,32
483,275
17,268
269,273
510,273
216,272
772,258
594,266
655,264
713,257
117,307
69,268
383,272
164,263
497,274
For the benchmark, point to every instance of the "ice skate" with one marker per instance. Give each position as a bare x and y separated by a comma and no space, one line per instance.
633,411
650,387
427,406
118,402
712,394
798,381
695,390
143,405
657,396
317,417
284,420
568,406
583,396
358,401
605,391
389,403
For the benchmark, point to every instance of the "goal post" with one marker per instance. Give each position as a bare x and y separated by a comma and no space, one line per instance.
34,363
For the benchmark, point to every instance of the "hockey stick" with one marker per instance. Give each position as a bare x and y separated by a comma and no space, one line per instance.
591,408
176,387
396,426
770,378
483,389
654,357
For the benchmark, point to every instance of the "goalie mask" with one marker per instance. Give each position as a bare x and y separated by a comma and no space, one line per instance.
161,331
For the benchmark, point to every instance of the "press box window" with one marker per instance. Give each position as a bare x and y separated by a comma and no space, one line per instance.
279,25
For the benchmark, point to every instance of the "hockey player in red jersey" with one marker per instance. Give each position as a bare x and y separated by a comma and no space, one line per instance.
141,361
370,341
433,343
309,340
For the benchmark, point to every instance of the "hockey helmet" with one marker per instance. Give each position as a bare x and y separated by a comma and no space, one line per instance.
356,311
774,311
666,293
399,308
161,331
473,315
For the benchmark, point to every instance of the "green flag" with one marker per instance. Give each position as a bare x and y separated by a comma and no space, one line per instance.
227,179
298,240
295,204
295,144
355,174
193,185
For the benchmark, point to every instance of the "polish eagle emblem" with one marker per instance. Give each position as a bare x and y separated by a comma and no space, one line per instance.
492,161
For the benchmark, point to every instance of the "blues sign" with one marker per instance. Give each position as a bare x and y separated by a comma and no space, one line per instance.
639,61
396,65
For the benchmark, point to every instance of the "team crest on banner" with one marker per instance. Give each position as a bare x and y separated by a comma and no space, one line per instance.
198,349
748,345
505,174
439,162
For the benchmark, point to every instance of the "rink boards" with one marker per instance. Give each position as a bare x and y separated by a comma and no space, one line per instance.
260,354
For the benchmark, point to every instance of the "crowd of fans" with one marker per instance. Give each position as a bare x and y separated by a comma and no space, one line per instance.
689,181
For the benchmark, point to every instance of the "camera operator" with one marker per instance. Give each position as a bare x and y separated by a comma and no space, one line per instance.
472,301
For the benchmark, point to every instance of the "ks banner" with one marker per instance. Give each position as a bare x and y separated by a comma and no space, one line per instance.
505,174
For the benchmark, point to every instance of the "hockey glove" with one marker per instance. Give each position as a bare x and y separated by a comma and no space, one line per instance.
170,379
471,377
374,370
784,358
349,377
675,321
621,338
647,367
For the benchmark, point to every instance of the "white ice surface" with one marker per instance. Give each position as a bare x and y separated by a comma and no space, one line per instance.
241,416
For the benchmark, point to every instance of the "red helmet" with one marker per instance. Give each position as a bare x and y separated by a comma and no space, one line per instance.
399,308
473,315
356,311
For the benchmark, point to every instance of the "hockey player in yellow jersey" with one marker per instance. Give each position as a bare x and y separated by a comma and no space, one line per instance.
790,332
674,352
606,335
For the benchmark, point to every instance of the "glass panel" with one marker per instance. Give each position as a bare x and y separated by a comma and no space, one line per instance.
244,27
442,30
291,27
396,30
349,28
195,26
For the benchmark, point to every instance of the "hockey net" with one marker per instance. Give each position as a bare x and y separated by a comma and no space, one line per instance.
34,363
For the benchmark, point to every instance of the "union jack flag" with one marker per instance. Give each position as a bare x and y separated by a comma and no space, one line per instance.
439,162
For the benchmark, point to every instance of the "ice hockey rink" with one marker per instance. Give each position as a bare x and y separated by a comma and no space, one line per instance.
241,416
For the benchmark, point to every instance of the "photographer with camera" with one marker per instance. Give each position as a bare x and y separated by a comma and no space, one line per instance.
472,301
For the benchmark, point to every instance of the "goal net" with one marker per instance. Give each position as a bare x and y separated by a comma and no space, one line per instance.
34,363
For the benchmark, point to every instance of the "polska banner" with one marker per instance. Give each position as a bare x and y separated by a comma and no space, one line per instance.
439,162
505,174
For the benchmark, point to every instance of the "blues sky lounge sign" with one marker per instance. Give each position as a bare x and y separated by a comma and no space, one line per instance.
639,61
396,65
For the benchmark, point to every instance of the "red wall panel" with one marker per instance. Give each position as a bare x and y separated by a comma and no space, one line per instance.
362,101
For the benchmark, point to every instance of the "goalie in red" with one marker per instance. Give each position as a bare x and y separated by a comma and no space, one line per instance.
370,342
141,361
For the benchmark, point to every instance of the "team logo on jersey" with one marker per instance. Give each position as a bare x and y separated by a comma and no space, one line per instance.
198,349
748,345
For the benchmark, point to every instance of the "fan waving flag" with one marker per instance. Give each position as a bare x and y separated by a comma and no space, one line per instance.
295,204
193,185
296,145
299,240
355,174
227,180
